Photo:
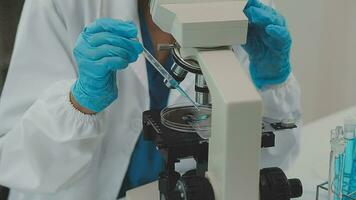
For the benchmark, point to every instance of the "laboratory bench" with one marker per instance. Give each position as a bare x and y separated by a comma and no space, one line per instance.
312,164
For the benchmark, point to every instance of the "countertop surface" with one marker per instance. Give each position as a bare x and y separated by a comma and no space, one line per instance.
312,164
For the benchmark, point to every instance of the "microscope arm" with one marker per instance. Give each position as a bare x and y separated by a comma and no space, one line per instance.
234,147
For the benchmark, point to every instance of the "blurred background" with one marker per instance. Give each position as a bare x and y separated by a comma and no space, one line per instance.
323,54
10,12
9,16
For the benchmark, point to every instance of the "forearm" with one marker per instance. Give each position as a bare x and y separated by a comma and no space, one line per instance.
283,102
50,138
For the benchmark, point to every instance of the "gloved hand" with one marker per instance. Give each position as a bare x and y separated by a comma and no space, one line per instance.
103,48
268,45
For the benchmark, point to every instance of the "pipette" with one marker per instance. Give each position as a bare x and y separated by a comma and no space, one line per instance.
173,83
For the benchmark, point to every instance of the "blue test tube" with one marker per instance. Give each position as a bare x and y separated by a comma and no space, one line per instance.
349,169
351,150
337,163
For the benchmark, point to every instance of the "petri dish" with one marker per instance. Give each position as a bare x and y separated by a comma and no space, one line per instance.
186,118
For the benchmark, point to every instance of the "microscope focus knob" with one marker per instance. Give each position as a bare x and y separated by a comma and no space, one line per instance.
194,188
296,188
275,185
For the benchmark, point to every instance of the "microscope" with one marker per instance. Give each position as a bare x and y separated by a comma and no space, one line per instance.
227,150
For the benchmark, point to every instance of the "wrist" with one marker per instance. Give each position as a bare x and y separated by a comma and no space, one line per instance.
93,100
78,107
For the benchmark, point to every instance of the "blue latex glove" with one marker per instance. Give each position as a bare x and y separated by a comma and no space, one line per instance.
268,45
103,48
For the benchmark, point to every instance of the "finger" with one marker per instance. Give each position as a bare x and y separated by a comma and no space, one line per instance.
114,63
103,38
122,28
278,37
103,51
264,17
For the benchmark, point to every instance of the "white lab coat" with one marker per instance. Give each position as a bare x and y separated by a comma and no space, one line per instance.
49,150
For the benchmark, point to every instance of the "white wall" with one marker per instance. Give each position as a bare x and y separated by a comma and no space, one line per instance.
324,53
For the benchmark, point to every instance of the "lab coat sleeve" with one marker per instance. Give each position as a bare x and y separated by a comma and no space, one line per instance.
283,102
280,102
46,144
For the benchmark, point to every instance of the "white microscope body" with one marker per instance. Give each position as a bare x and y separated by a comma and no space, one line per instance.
235,144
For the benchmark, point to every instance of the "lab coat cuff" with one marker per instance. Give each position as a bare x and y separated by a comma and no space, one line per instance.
57,102
282,101
74,113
